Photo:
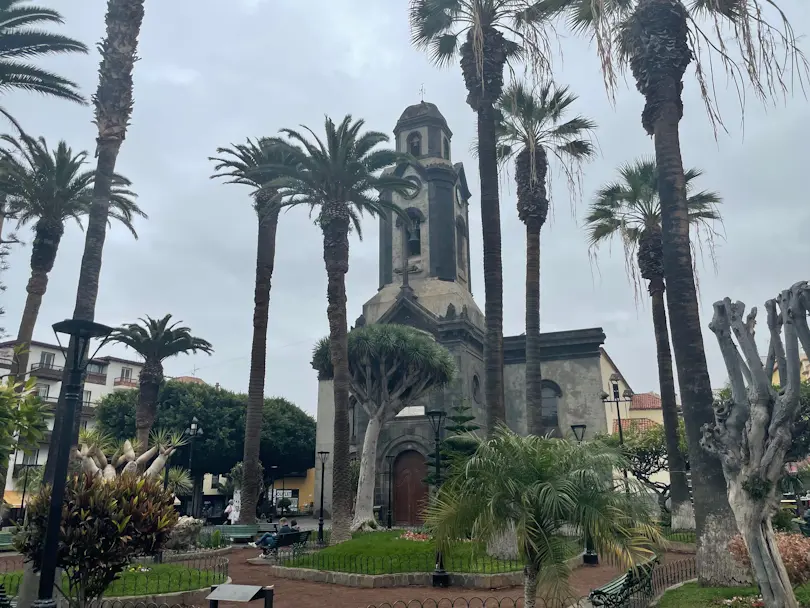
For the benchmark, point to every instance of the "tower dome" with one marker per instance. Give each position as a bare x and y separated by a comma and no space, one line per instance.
420,114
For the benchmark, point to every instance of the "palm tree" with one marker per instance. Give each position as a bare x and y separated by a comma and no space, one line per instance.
155,340
341,178
630,209
532,126
538,487
50,187
658,39
242,164
113,109
21,39
487,34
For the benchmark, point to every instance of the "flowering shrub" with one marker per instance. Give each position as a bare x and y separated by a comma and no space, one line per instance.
416,536
795,552
743,602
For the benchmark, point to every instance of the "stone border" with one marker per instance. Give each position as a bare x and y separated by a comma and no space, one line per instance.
686,548
465,580
192,597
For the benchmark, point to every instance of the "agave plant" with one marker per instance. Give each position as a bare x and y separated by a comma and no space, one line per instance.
94,445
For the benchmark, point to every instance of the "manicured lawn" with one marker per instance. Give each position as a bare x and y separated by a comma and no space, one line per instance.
693,596
385,552
161,578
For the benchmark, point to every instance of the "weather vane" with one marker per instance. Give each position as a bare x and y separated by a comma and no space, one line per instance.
422,92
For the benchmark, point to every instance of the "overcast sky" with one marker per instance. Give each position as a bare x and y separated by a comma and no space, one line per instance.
212,75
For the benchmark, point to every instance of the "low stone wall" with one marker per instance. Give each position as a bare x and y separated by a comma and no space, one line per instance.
686,548
465,580
180,598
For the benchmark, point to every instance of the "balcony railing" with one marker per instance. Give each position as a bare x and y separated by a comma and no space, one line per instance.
126,382
47,370
96,378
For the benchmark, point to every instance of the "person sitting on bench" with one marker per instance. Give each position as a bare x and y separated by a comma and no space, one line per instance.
269,539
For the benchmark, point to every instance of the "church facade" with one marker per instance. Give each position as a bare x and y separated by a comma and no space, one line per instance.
425,282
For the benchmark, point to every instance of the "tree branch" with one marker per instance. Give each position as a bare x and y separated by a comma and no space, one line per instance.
729,414
775,322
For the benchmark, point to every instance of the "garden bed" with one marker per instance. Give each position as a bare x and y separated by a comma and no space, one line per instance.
691,595
160,579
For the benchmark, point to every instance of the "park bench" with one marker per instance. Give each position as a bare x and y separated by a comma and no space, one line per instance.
239,533
6,541
266,526
296,540
619,592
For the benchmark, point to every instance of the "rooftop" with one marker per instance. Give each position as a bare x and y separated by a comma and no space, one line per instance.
423,111
646,401
635,424
56,347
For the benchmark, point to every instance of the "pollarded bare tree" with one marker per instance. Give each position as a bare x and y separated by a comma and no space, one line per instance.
753,430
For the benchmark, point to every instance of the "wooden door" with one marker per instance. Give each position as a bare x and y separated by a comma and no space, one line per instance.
410,491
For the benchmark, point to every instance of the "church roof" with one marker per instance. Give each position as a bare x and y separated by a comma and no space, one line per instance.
423,112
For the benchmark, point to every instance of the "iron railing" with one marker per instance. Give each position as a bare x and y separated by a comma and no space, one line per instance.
366,564
144,577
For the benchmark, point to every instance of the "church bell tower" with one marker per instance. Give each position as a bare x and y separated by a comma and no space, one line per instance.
431,259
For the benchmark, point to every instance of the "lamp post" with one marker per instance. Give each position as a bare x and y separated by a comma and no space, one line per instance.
627,397
322,456
193,431
436,417
80,333
590,557
390,459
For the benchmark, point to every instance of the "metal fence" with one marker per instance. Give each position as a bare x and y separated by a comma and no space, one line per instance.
365,564
143,578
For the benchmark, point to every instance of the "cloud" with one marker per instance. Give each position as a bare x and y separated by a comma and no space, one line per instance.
172,74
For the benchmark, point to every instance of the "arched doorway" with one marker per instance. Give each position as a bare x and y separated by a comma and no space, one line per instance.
410,491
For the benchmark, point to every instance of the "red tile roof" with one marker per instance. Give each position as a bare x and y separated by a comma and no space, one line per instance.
635,424
646,401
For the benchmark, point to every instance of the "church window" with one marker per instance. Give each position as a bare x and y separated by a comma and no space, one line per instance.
415,144
549,412
461,246
476,389
414,234
446,151
353,419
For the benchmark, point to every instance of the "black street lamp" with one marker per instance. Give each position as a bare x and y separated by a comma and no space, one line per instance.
390,459
193,431
80,333
322,456
627,397
590,557
440,576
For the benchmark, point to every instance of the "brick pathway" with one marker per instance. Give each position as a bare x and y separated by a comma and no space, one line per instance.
303,594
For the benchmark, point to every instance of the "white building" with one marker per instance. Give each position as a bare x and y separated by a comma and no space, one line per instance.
46,363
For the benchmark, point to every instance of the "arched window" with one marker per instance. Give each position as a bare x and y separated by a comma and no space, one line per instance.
414,234
549,413
461,245
353,419
446,150
415,144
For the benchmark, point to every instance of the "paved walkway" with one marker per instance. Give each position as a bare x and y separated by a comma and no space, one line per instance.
303,594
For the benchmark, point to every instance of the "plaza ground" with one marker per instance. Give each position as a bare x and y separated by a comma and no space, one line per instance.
302,594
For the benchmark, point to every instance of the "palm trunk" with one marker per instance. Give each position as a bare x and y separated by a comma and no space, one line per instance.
534,381
493,269
683,515
113,109
146,411
364,505
265,261
713,517
335,222
530,580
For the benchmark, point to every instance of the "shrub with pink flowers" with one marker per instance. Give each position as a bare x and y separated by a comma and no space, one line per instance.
743,602
794,549
415,536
